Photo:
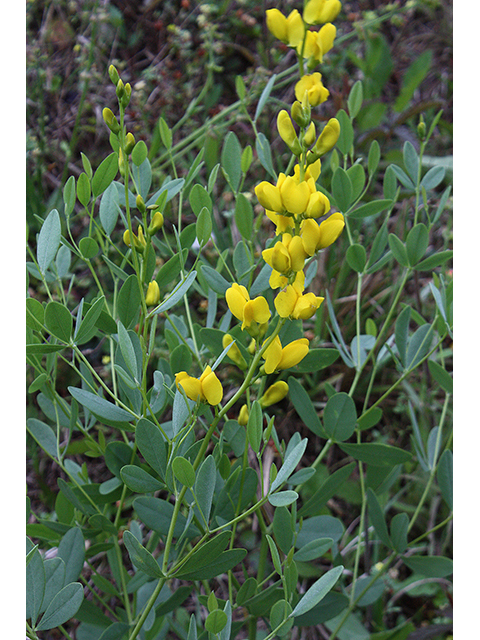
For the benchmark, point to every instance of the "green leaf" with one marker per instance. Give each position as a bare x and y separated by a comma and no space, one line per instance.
283,529
356,257
370,209
246,591
283,498
170,270
377,518
177,294
44,435
403,177
414,75
264,97
332,605
105,174
416,243
355,99
430,566
203,226
59,321
109,208
72,551
399,531
411,161
48,240
356,173
326,490
264,153
206,554
389,183
231,160
87,325
304,407
441,376
35,314
199,198
223,563
317,591
398,249
436,260
244,216
376,454
141,557
280,618
83,189
339,417
216,621
69,196
418,346
345,139
275,555
205,486
139,480
87,167
255,426
63,607
289,464
401,332
107,412
317,359
165,133
151,445
55,579
370,419
157,515
35,583
313,550
129,301
342,189
183,471
88,248
445,476
373,157
214,279
140,151
433,178
128,351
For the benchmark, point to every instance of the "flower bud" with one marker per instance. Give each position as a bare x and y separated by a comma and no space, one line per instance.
421,129
113,73
300,114
234,352
287,132
122,163
243,416
129,143
110,120
156,223
140,204
120,90
310,135
125,99
328,138
275,393
152,296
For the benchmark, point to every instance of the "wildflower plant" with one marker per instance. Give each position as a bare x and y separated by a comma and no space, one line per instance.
183,414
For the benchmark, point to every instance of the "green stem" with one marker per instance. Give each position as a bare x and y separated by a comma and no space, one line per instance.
148,607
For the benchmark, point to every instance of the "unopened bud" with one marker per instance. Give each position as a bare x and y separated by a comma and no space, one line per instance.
140,204
110,120
156,223
243,416
300,114
129,143
421,129
328,138
234,352
310,135
120,90
152,296
125,99
275,393
113,73
122,163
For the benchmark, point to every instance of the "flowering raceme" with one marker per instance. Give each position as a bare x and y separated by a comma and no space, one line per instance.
207,388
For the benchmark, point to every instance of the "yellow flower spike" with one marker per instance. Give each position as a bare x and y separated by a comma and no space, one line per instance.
212,389
287,132
312,84
152,296
320,11
243,416
234,352
328,138
269,196
330,229
275,393
294,196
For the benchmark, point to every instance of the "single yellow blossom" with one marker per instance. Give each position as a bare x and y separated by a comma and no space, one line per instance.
328,138
275,393
312,84
318,236
278,358
252,313
320,11
286,256
234,352
152,296
243,415
289,30
207,388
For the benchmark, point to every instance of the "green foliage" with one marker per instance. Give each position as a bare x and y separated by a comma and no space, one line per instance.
268,478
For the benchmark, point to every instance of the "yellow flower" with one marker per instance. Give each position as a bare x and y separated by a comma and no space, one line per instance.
275,393
243,415
320,11
287,132
234,352
292,302
328,138
207,388
289,30
282,223
156,223
312,84
318,205
278,358
318,236
251,312
138,242
287,255
152,296
269,196
318,43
